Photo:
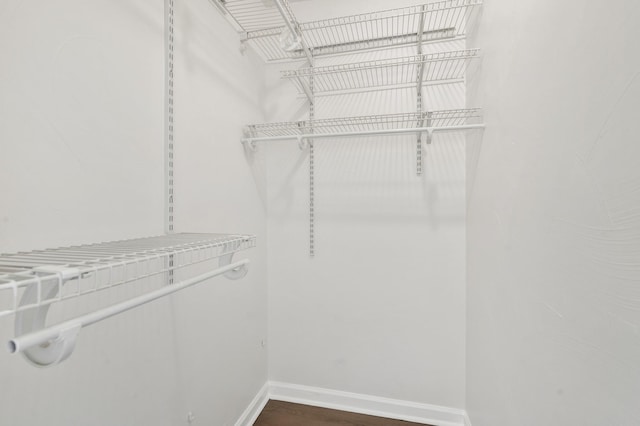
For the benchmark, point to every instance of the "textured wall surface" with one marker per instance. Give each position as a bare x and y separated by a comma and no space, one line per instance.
81,161
554,217
221,326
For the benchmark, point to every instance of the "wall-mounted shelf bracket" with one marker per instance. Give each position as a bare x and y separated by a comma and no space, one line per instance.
244,41
249,145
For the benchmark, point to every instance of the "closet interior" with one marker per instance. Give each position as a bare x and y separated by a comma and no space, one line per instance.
418,210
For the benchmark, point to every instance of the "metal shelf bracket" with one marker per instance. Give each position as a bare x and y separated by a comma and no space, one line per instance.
250,144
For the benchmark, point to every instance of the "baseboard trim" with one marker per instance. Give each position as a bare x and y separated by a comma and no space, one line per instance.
428,414
249,416
366,404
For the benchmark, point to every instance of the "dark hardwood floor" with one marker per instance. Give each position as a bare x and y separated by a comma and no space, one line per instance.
278,413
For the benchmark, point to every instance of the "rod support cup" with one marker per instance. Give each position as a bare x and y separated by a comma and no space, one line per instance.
227,258
32,320
234,274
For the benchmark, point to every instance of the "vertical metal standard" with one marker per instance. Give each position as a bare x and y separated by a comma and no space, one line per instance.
419,78
294,28
312,213
169,61
420,124
169,134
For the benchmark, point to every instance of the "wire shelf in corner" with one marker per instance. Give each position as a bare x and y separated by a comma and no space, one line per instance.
432,68
371,123
254,15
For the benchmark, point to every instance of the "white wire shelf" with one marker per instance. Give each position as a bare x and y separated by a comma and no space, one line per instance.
414,70
435,21
255,15
272,18
60,274
371,124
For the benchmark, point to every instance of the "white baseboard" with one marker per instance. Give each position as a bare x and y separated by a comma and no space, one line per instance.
356,403
366,404
254,409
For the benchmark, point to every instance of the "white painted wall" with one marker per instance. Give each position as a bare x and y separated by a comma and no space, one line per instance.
221,327
380,309
81,132
81,118
554,219
552,238
82,161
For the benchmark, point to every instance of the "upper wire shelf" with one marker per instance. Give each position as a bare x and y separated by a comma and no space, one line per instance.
91,268
435,21
255,15
420,69
440,119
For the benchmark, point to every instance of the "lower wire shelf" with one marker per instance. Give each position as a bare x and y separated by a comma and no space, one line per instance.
31,282
371,125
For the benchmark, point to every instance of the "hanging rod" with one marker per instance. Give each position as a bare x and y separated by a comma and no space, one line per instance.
314,136
66,332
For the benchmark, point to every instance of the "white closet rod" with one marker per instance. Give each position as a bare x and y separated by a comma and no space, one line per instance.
363,133
69,329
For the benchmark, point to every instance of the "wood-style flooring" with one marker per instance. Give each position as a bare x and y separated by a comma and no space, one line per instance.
278,413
